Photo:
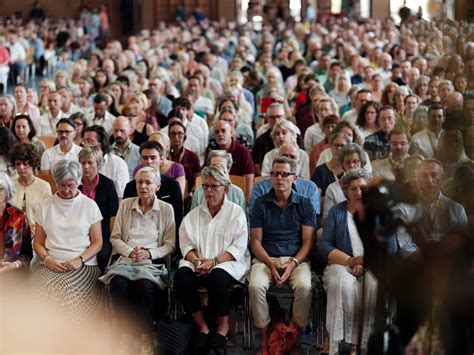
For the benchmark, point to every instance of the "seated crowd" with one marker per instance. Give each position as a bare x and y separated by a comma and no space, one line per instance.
242,158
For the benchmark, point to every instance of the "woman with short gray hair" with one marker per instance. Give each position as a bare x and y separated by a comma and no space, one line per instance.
68,237
16,244
67,170
223,160
350,157
216,172
341,248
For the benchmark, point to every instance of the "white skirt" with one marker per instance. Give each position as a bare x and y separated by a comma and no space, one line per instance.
344,301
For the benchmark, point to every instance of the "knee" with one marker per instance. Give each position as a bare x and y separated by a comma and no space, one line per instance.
303,286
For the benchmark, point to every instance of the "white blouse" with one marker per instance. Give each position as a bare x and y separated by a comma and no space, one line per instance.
66,223
356,242
210,237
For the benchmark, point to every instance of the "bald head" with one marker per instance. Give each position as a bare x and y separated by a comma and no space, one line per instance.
121,130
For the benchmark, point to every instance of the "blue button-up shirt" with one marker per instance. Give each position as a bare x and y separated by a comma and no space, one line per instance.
282,226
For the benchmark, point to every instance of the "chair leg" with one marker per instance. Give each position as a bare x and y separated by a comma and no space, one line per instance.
247,336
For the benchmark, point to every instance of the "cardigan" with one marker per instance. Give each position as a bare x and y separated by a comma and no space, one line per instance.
336,234
167,229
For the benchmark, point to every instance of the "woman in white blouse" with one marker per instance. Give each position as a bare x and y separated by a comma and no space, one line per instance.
213,240
31,191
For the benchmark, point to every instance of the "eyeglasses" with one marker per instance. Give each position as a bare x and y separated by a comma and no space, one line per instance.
63,132
176,134
206,187
282,175
291,156
338,146
64,187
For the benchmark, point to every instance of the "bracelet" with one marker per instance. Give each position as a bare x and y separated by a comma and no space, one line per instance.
18,264
45,259
348,261
82,259
296,261
216,261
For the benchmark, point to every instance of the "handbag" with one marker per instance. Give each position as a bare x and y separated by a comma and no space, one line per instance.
175,336
285,334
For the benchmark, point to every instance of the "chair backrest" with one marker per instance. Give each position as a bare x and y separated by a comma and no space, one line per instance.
49,179
47,140
239,181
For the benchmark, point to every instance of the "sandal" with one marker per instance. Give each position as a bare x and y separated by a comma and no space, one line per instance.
218,341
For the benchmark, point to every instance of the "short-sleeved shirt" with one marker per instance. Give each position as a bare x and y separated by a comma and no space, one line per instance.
243,163
282,226
66,223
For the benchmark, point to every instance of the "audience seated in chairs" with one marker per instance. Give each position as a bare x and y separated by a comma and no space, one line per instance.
213,241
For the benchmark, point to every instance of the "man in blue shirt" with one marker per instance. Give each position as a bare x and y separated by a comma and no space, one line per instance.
282,226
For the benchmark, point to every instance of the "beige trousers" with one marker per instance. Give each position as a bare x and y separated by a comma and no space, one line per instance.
260,281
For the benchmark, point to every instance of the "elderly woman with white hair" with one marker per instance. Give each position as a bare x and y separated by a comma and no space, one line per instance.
283,133
143,235
342,248
15,235
213,240
68,237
